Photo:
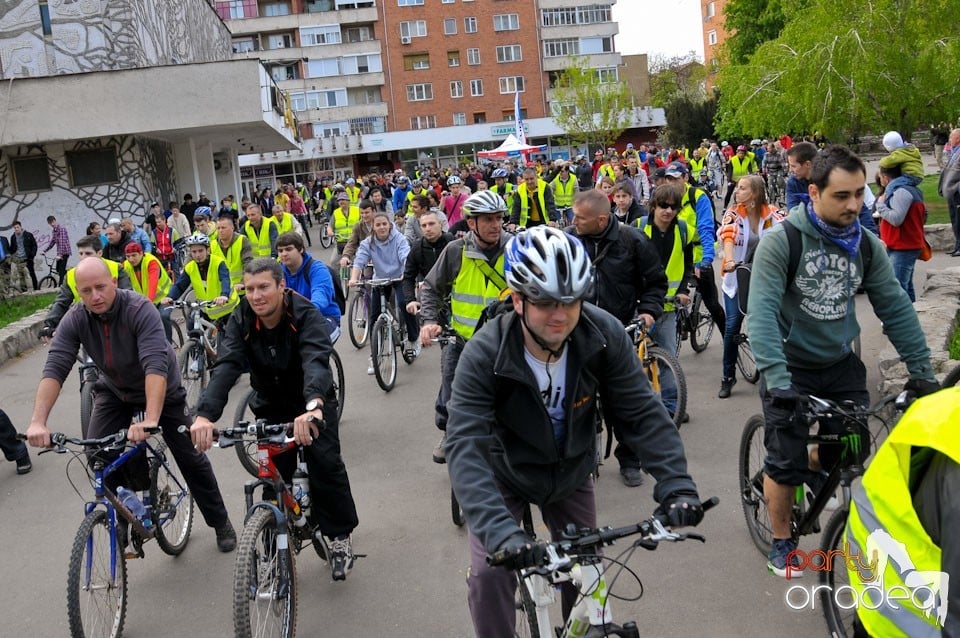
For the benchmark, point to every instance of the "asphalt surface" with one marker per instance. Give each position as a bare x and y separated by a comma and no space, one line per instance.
411,582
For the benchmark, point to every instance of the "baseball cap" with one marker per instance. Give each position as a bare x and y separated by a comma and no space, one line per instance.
133,247
675,169
630,145
342,196
660,173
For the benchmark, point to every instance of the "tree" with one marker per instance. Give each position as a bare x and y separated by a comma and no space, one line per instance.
673,76
591,111
753,22
891,68
689,121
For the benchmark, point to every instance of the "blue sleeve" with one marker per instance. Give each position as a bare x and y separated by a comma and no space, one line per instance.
793,193
321,287
224,274
363,254
181,286
403,250
705,228
274,234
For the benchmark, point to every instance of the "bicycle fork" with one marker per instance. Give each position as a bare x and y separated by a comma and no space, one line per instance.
592,608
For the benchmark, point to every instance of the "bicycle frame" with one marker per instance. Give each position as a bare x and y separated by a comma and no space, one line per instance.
591,609
643,340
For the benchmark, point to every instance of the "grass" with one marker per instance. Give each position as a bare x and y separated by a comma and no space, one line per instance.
16,308
937,212
955,343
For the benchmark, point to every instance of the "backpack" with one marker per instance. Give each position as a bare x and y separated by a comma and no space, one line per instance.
338,295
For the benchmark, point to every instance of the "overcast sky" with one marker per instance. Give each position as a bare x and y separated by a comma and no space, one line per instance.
667,27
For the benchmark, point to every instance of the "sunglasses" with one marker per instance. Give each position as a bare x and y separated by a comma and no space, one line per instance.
548,304
671,206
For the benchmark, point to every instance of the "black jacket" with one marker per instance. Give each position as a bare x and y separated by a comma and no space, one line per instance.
117,252
288,365
635,212
423,255
29,244
499,430
628,277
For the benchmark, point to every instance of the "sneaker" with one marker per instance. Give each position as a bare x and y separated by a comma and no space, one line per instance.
226,537
23,464
726,385
414,347
815,483
632,476
440,452
777,559
370,366
341,556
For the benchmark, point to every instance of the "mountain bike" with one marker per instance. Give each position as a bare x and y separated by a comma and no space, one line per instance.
694,322
199,351
97,569
387,335
576,558
662,369
856,442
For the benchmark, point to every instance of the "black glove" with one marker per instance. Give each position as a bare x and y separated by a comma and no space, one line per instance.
784,398
682,509
522,551
47,332
921,387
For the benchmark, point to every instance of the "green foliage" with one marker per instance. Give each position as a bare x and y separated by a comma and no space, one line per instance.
955,343
591,112
753,22
676,76
892,67
16,308
937,211
689,121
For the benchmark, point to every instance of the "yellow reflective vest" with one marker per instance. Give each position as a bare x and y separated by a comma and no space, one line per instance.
688,213
473,290
260,242
286,225
232,256
741,168
525,202
72,276
343,224
563,192
354,193
674,268
696,165
138,279
210,289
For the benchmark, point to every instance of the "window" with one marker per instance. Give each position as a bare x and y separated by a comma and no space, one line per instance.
364,95
459,119
470,25
607,75
275,9
323,34
93,167
413,29
453,58
510,116
419,92
237,9
302,101
509,53
596,45
560,48
409,3
330,129
476,87
592,14
279,41
479,118
418,122
473,56
281,72
416,62
368,125
244,45
447,1
325,68
711,10
506,22
456,88
511,84
366,63
449,26
331,98
31,174
358,34
712,37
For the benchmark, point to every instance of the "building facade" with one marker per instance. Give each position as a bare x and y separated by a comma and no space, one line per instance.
714,35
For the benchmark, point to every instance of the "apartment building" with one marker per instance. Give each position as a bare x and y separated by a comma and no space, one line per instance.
714,35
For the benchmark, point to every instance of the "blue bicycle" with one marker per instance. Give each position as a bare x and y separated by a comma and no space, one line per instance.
97,573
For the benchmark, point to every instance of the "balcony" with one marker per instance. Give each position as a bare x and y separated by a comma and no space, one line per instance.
593,60
599,29
291,22
341,113
334,82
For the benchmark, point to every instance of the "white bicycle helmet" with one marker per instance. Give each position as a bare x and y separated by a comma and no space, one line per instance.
484,203
546,263
198,239
500,172
453,179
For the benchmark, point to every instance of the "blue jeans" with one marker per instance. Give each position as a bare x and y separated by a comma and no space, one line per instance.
410,321
664,334
731,334
903,262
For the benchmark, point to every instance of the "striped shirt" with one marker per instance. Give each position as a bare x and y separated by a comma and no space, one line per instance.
61,240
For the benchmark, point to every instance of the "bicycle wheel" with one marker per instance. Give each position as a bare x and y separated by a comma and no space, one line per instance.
752,455
325,240
86,406
177,336
527,625
456,512
171,506
339,385
48,283
264,597
746,362
664,372
702,328
192,362
357,319
839,606
384,353
96,594
246,450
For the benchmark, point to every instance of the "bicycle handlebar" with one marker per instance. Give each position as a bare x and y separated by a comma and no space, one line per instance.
180,303
814,407
60,440
378,283
260,430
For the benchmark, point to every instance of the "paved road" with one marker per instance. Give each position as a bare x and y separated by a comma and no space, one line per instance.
412,581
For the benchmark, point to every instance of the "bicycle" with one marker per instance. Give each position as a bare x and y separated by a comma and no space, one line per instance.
199,352
323,222
449,336
694,322
576,558
661,368
275,530
776,188
387,336
746,362
358,310
97,569
51,280
808,506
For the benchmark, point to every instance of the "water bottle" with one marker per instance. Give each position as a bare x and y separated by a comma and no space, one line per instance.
133,503
301,488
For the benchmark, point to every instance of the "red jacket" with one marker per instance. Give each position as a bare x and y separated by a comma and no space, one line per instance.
908,235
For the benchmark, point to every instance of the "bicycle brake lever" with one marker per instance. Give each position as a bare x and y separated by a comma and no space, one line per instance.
647,543
58,450
695,537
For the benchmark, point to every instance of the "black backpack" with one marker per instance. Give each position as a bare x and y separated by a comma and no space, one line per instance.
338,295
795,240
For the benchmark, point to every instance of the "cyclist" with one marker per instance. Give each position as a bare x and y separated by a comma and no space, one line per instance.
312,279
519,435
466,278
261,231
799,160
423,255
909,494
532,203
209,277
401,192
773,169
150,279
121,332
343,221
452,204
564,188
742,164
286,222
418,206
281,338
67,295
298,210
234,249
360,231
165,241
353,191
501,186
801,326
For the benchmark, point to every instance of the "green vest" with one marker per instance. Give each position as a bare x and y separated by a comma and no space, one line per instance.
210,289
354,193
137,282
688,213
343,225
507,194
563,193
232,257
260,242
883,503
471,292
72,276
674,266
525,202
286,225
741,168
696,165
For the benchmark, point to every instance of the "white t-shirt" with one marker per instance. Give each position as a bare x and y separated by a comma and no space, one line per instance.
551,379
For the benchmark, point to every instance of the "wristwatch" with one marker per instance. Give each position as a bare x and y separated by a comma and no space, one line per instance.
314,404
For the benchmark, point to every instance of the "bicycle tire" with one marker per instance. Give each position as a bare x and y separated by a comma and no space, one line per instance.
339,382
48,282
839,619
98,606
752,454
952,379
246,450
383,353
256,601
171,506
193,381
527,625
702,328
357,322
325,240
746,361
177,336
86,406
666,359
456,512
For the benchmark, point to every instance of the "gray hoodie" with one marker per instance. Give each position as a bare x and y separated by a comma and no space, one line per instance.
389,256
